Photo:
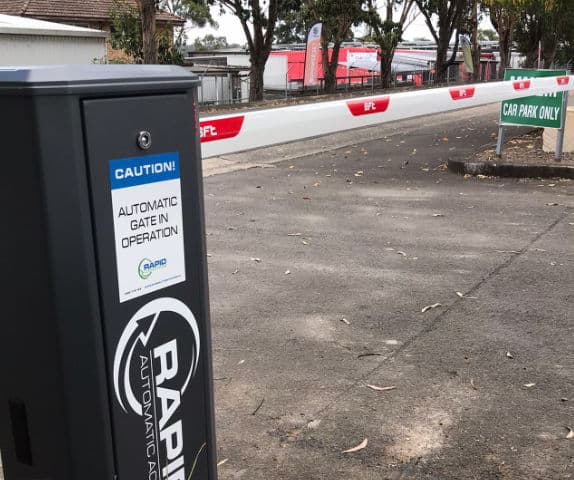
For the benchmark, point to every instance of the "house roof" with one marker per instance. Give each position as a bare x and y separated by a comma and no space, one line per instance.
72,10
14,25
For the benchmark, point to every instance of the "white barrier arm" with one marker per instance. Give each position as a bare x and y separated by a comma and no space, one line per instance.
238,132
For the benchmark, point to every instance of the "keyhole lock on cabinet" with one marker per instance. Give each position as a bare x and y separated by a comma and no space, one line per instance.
144,140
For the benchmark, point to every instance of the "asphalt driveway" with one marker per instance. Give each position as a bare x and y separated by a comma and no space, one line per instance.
320,267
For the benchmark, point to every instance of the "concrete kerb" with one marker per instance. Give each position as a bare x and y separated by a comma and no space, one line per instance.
496,169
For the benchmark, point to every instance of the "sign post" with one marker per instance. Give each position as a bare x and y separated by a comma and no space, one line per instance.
544,111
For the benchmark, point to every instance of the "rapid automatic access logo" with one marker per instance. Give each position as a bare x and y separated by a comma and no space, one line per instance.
146,267
156,358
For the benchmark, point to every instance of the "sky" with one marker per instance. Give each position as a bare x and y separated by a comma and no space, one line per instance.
230,27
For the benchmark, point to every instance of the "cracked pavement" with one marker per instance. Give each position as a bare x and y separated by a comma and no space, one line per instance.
323,254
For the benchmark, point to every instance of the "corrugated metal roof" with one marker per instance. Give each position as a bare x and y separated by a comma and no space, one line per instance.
15,25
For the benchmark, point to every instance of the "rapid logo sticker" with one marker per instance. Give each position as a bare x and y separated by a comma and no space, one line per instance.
152,370
148,226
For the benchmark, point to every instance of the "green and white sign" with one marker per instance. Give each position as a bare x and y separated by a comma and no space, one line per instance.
536,111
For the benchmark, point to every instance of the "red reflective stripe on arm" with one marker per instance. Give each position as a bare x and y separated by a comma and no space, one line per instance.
367,106
462,93
563,80
211,130
521,85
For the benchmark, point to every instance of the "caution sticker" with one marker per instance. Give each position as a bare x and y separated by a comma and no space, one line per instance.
148,226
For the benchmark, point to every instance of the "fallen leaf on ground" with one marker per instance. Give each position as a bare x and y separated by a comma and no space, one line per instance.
345,321
381,389
317,184
306,198
529,385
223,462
570,433
509,355
361,445
444,139
313,424
430,307
256,260
369,354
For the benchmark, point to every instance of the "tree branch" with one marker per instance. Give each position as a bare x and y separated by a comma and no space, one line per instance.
427,20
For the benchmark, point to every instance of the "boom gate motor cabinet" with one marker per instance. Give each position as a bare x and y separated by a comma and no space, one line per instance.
104,335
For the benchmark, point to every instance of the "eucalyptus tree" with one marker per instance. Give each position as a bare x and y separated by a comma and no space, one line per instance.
258,19
451,15
338,17
387,33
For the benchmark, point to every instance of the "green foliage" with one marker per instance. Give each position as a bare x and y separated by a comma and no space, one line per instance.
126,35
258,20
210,42
545,22
196,11
291,23
487,34
337,16
452,18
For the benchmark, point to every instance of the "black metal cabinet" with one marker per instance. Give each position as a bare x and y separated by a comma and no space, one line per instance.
104,339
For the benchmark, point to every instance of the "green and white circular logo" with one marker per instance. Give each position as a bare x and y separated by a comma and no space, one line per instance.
144,270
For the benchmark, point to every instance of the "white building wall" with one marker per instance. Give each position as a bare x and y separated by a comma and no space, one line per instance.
238,59
275,77
45,49
214,90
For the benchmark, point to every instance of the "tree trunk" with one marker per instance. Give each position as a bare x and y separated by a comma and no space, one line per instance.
441,66
149,40
256,83
386,66
476,75
330,66
531,58
505,45
548,52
